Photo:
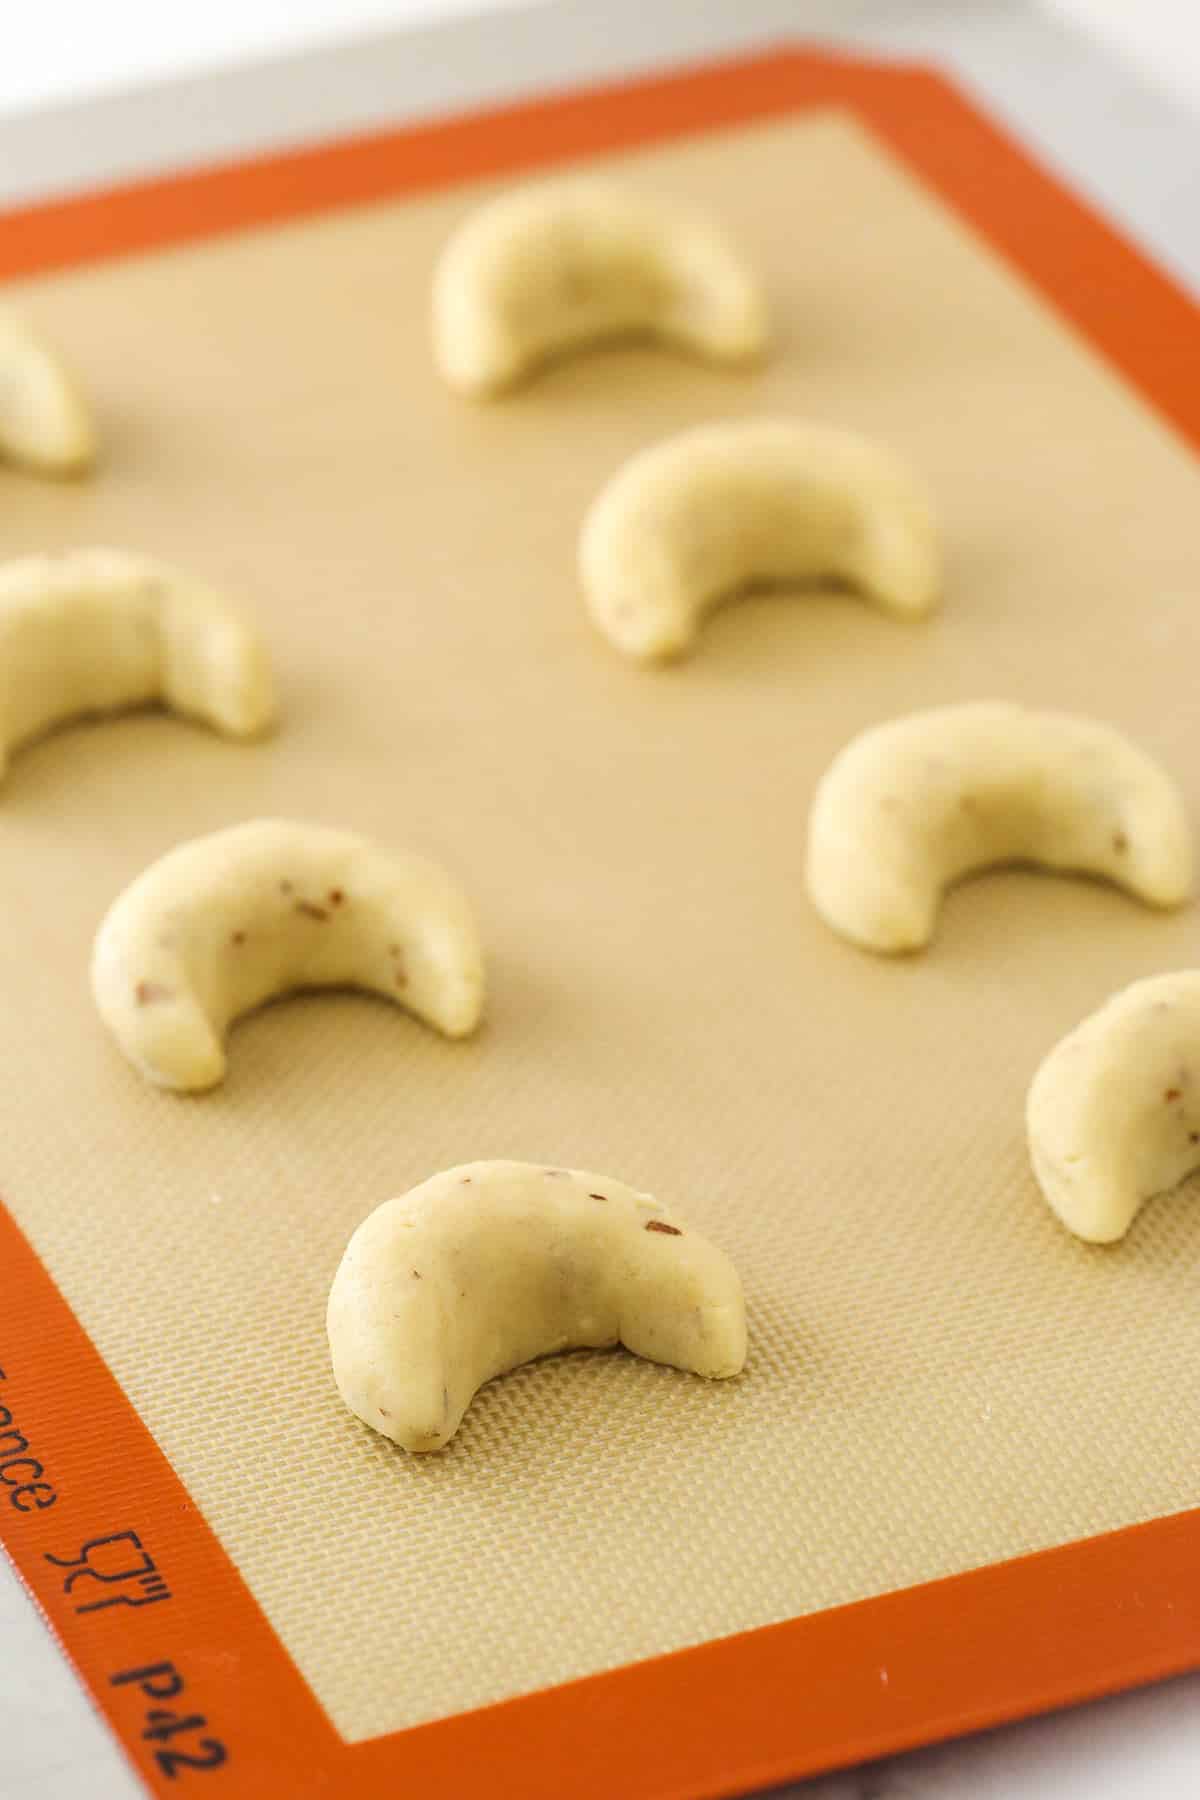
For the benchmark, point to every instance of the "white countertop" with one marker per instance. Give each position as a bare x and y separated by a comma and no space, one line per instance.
1141,1746
66,48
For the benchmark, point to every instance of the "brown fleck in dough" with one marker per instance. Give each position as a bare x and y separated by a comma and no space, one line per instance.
661,1225
309,911
151,993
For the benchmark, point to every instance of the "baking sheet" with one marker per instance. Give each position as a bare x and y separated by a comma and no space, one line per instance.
939,1377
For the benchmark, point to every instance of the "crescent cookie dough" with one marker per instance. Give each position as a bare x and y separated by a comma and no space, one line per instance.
96,631
1113,1114
560,265
45,422
489,1265
226,922
718,511
912,805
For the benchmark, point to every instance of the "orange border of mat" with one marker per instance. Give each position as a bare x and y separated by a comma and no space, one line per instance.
836,1687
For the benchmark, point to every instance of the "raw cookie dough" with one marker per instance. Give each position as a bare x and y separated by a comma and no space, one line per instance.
45,422
559,265
96,631
721,510
226,922
486,1266
914,804
1113,1113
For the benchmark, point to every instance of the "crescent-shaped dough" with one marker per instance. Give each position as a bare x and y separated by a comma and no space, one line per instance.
96,631
720,510
910,806
486,1266
1113,1113
559,265
226,922
45,422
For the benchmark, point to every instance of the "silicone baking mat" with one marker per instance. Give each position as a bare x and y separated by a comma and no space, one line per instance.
952,1483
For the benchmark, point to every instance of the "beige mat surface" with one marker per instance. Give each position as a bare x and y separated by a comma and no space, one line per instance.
939,1376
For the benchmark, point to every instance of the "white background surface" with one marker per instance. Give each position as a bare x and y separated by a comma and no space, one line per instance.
64,48
1143,1746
